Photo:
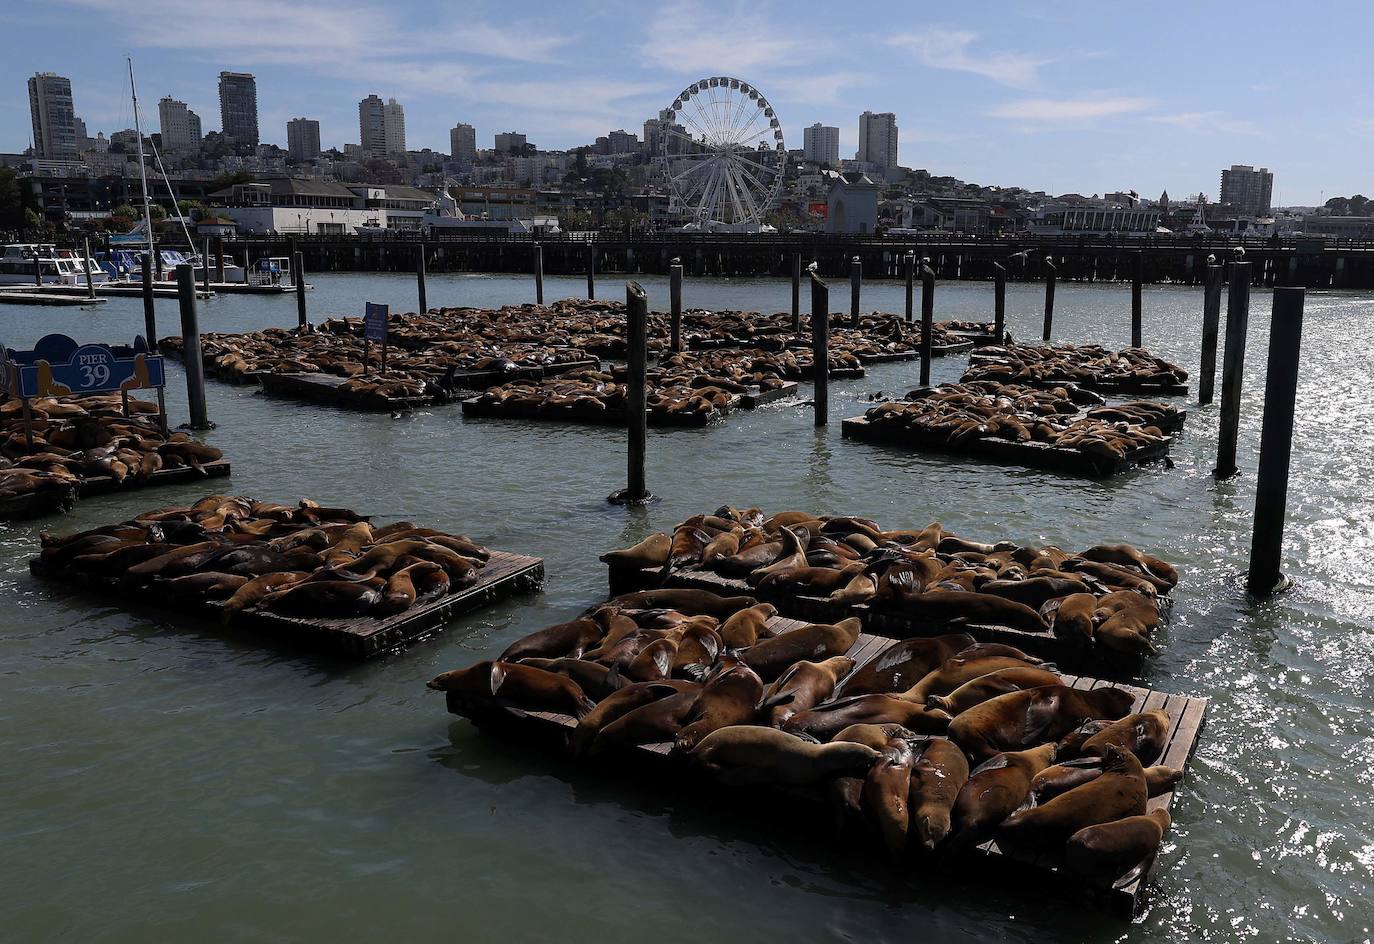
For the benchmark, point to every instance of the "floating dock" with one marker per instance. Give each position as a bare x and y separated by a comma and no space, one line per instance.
327,389
53,501
48,298
363,637
1034,455
1186,718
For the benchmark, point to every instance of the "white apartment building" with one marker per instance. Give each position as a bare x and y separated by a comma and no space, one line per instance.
878,138
821,144
179,125
394,127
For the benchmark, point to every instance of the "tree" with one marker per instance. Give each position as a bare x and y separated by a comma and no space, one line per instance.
11,200
226,180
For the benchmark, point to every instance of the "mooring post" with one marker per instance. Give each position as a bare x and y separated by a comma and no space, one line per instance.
299,265
90,283
1211,322
820,348
219,259
420,277
1137,277
149,315
675,302
796,292
636,401
910,261
1233,368
539,273
190,347
1049,297
205,267
855,282
927,318
999,301
1276,443
591,271
37,269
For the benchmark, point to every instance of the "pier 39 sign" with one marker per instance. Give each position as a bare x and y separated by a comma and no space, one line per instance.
59,366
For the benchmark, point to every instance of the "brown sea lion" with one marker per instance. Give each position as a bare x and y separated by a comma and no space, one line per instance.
803,686
251,592
1018,719
747,626
793,556
1034,592
903,664
521,685
1142,734
817,641
826,720
1119,791
695,602
963,606
1108,852
618,704
653,662
340,599
653,723
208,585
845,791
751,754
596,680
650,552
1124,555
884,794
993,792
1071,744
749,559
960,670
729,697
1000,682
1052,781
938,775
569,639
1071,617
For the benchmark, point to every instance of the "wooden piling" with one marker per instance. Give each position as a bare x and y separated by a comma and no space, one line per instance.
591,271
855,282
1211,321
90,285
149,315
675,302
298,266
636,401
999,302
219,259
420,278
205,266
538,273
190,346
1233,368
820,348
910,262
1049,298
37,269
1276,443
796,291
927,319
1137,276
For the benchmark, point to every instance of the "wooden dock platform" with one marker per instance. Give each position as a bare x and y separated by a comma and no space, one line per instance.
476,407
758,397
48,298
325,388
361,638
1033,455
40,504
1186,719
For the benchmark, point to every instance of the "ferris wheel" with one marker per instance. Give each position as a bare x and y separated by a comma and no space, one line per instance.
723,151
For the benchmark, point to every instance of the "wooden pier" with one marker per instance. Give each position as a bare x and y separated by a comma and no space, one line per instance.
1035,872
53,501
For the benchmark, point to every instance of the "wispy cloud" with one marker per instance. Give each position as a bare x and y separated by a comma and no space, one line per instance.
949,49
1213,121
1056,110
683,40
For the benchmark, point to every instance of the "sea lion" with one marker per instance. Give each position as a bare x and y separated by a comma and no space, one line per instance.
338,599
1060,778
253,591
750,754
1124,555
938,775
1127,628
209,585
569,639
1034,592
749,559
696,602
618,704
1071,617
884,794
654,661
771,657
596,680
1072,743
963,606
793,556
803,686
1109,851
729,697
961,669
522,685
650,552
747,626
826,720
1000,682
993,792
1119,791
903,664
1018,719
658,721
1142,734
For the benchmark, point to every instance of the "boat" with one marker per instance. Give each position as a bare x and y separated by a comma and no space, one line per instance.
56,266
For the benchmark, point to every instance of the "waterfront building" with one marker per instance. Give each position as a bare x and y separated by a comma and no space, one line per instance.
852,205
622,142
54,118
878,139
462,142
821,144
510,142
394,127
1248,189
372,125
303,139
180,126
238,107
1059,219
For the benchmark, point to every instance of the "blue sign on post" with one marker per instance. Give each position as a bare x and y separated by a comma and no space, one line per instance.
59,366
374,322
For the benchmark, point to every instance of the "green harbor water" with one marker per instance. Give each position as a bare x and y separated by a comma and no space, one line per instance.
164,780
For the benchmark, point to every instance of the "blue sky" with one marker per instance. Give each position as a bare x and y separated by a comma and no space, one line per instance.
1063,96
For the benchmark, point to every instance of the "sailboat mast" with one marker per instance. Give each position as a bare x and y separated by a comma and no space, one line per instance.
142,173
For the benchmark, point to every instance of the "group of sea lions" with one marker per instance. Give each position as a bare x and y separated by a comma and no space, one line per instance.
1105,596
301,560
1086,364
669,395
81,437
936,744
955,415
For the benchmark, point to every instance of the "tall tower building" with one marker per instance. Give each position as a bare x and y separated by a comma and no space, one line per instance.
372,125
54,118
510,142
180,126
238,107
878,138
462,142
394,126
303,139
1251,190
821,143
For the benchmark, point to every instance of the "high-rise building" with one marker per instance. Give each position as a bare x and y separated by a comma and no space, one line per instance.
54,119
1251,190
878,138
510,142
462,142
238,107
303,139
821,143
621,142
180,126
372,125
394,126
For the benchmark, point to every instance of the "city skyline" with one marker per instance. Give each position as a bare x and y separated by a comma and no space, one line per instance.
1069,108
